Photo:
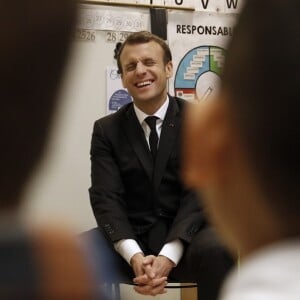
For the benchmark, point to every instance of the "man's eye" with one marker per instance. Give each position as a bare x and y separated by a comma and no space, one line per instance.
130,68
149,62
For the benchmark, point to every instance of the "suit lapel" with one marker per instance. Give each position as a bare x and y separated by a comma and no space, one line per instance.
168,136
137,139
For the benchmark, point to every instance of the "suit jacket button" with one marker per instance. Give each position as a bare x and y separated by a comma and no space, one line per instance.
193,230
108,228
161,213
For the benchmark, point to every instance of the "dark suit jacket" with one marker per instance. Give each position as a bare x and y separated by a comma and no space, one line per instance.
129,194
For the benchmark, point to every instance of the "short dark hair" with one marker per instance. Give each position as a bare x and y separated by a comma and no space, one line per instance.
143,37
35,39
261,75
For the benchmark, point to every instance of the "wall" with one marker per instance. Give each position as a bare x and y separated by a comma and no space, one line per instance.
59,189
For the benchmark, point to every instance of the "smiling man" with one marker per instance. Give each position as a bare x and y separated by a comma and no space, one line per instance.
154,226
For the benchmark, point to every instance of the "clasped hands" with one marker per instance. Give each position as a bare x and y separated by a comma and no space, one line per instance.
151,273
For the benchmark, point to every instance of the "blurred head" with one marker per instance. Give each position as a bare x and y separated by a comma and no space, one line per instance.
145,65
35,38
242,149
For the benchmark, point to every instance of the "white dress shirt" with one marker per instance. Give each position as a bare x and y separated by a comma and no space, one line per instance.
272,273
129,247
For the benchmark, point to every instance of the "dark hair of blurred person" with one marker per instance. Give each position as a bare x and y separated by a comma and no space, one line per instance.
242,150
35,40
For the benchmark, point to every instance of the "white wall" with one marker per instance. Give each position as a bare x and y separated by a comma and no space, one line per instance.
59,189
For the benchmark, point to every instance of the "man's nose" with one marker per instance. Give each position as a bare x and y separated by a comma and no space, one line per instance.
140,68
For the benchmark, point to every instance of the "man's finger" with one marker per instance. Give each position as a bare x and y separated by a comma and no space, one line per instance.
150,290
149,259
145,280
158,281
149,271
142,280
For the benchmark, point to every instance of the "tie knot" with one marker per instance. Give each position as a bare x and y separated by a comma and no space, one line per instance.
151,121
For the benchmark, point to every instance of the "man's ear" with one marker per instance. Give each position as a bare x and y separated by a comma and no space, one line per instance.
206,140
169,69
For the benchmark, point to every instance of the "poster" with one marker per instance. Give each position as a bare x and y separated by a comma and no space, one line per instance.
198,43
116,94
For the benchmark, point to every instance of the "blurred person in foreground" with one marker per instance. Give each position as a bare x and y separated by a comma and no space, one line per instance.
242,151
42,263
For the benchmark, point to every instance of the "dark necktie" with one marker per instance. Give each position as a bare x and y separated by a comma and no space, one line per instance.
153,137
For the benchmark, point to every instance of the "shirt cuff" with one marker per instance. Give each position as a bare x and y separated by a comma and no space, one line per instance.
173,251
127,248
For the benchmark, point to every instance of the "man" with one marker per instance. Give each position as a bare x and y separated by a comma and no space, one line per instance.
37,263
154,225
242,152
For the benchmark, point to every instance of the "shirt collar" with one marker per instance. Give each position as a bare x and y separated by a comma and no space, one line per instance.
160,113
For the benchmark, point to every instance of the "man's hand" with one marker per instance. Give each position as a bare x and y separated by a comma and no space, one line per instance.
154,279
157,267
136,262
153,287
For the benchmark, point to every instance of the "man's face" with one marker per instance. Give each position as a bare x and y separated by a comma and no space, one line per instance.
144,73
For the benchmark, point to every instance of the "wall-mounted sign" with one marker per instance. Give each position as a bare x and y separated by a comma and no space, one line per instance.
116,94
198,41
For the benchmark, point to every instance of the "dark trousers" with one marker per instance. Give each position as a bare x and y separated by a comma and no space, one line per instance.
205,261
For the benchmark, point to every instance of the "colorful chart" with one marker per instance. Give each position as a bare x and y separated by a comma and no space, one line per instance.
198,73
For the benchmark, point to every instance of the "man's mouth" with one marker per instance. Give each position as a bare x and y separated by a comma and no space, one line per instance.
144,83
